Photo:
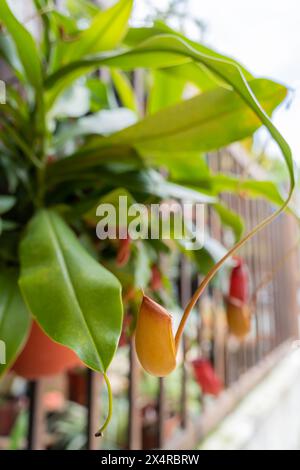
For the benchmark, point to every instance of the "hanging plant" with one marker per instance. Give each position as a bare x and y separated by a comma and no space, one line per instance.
238,317
206,377
239,284
238,309
60,156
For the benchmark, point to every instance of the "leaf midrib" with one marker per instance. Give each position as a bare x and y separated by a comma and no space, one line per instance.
67,276
117,140
104,29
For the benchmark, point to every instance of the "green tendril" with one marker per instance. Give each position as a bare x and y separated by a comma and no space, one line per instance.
110,408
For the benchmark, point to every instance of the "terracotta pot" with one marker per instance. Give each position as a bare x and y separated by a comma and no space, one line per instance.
43,357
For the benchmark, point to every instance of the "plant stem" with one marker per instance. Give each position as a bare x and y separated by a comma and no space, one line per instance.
220,263
99,433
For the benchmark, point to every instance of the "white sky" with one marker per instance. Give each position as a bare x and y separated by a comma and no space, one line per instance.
262,34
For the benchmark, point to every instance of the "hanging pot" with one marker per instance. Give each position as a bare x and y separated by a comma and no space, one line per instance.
239,281
43,357
238,318
206,377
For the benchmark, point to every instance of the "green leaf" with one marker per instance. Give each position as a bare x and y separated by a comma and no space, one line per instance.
104,122
136,35
166,50
124,90
206,257
14,318
112,198
107,30
9,53
194,73
247,187
6,203
7,225
25,45
100,95
166,90
181,166
82,8
74,299
208,121
142,266
230,219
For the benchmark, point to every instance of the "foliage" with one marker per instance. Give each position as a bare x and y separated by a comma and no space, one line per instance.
59,156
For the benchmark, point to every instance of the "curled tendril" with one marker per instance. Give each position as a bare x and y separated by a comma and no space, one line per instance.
100,432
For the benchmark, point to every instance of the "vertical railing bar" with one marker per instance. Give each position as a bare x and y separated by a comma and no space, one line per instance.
94,383
162,413
185,295
36,420
275,281
217,300
269,287
134,418
221,156
260,266
256,278
236,205
134,412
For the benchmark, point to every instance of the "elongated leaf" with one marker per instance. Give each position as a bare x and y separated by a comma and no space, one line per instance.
112,198
230,219
208,121
136,35
124,89
105,33
247,187
74,299
14,317
166,50
166,90
204,258
181,166
82,8
104,122
194,73
25,45
9,53
6,203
